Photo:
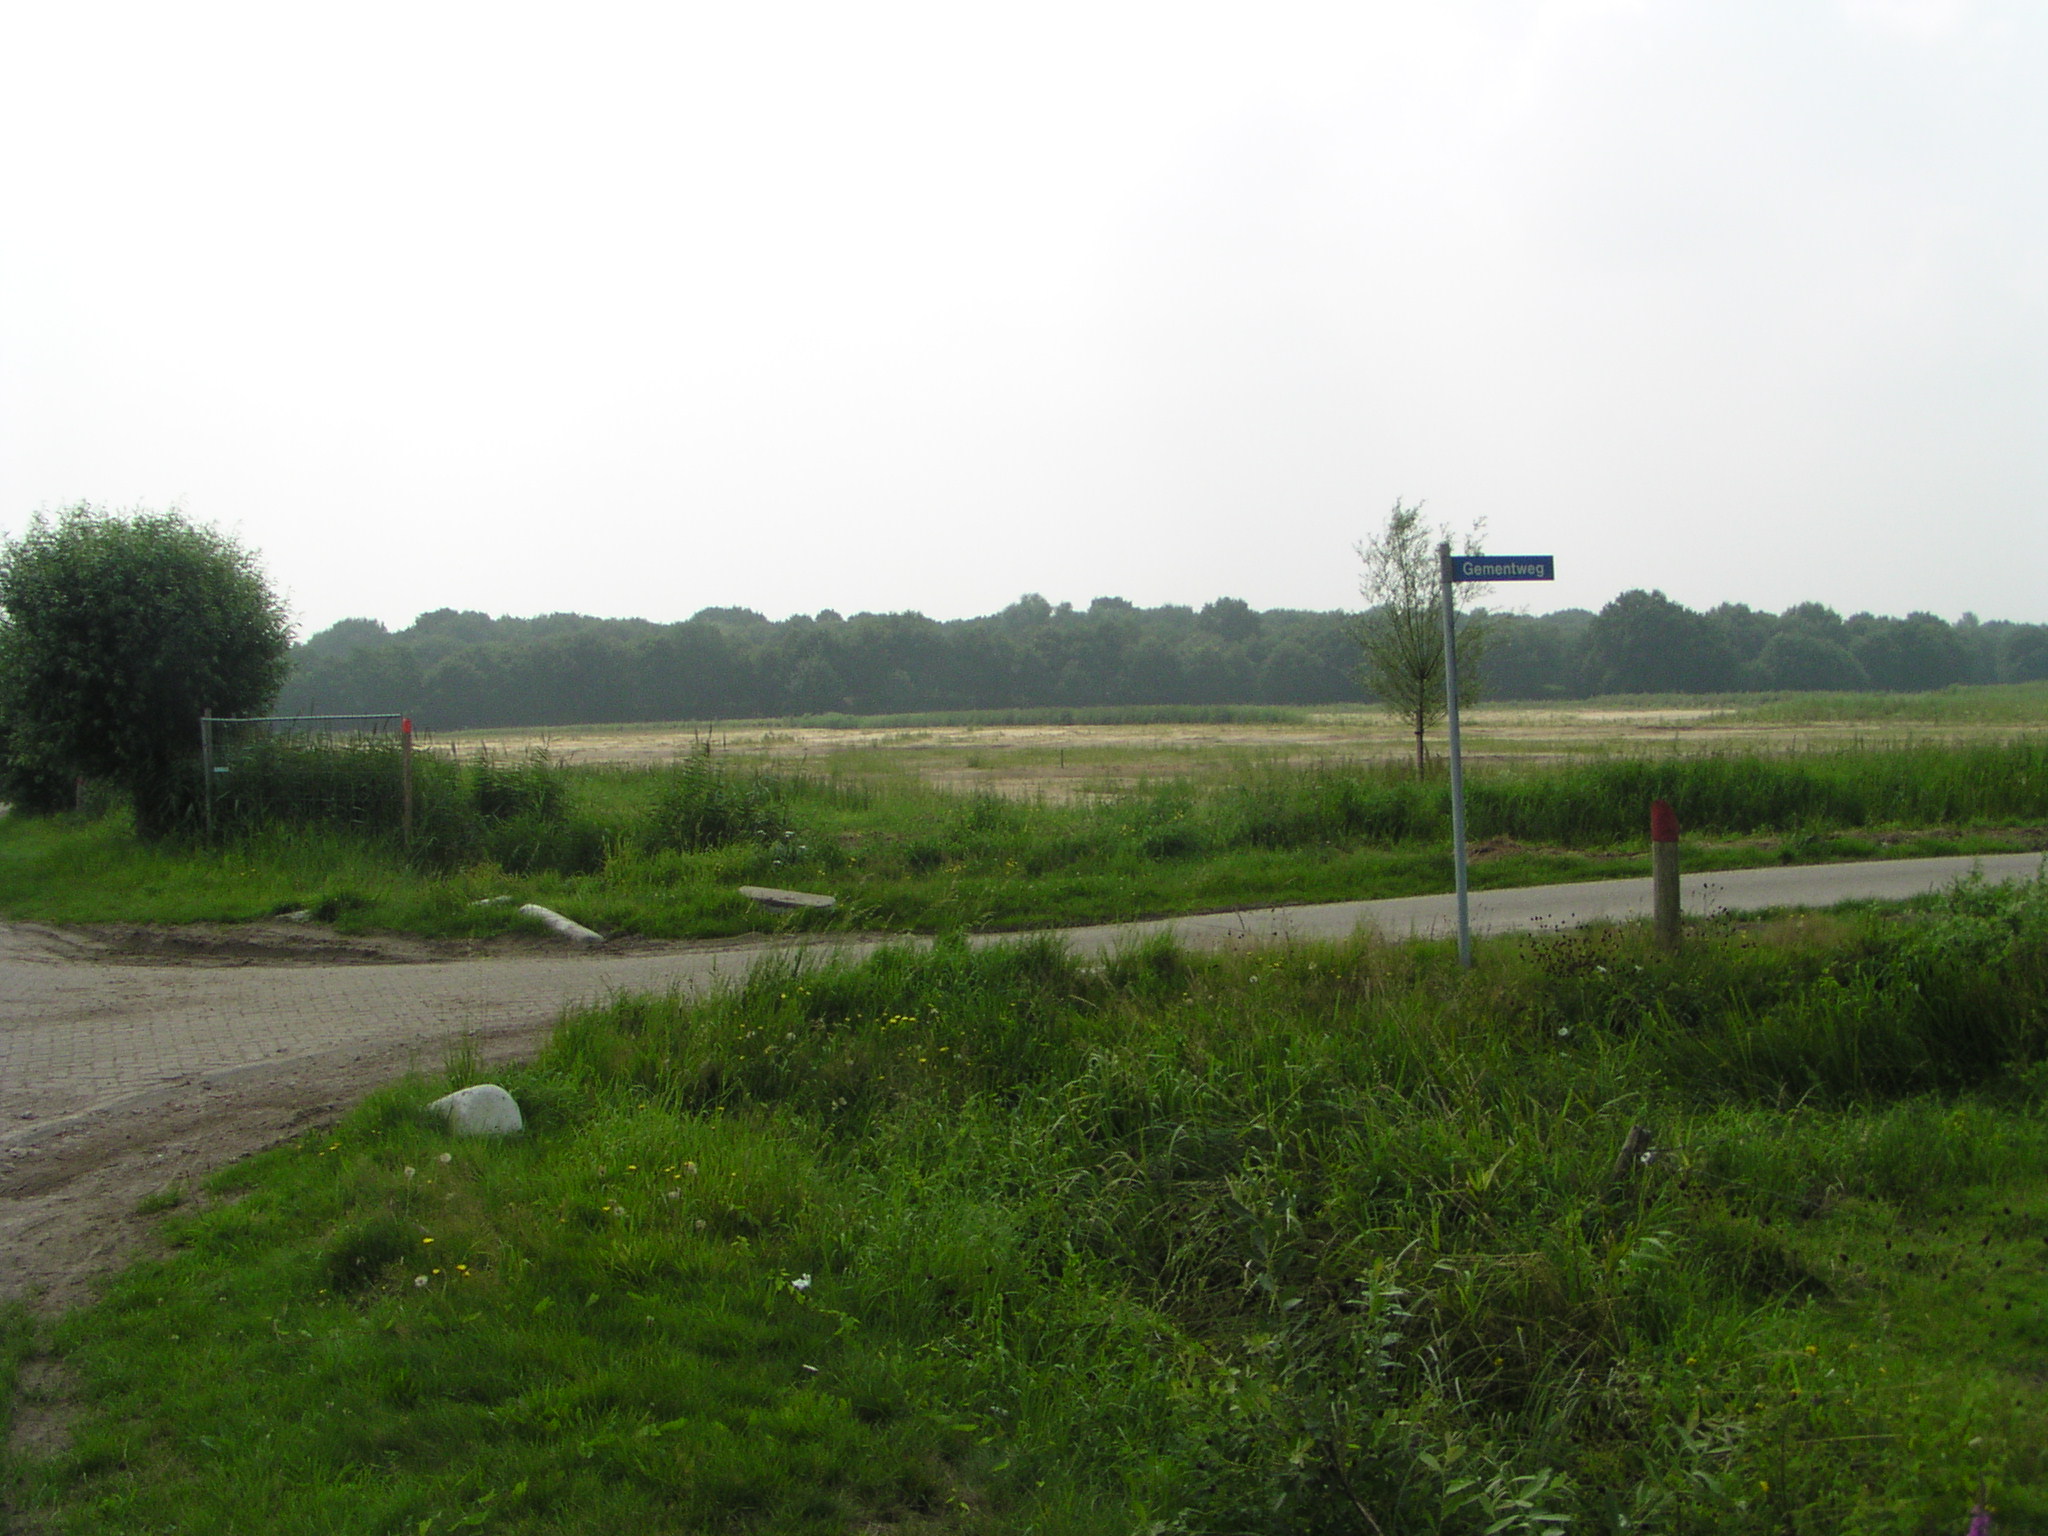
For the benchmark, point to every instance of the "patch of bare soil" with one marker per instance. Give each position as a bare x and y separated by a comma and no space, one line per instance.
204,944
42,1409
71,1191
288,943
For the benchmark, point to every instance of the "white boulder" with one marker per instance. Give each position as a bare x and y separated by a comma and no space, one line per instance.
483,1109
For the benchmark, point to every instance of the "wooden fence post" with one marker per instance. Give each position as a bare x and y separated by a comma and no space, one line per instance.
1664,871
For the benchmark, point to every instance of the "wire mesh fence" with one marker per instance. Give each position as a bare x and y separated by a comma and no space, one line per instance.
352,771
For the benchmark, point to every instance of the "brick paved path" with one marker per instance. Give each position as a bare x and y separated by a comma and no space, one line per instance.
81,1036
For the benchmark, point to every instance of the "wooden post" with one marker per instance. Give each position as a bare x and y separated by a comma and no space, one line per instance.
1635,1150
405,777
1664,871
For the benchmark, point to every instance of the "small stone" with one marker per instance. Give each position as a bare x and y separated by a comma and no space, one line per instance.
483,1109
768,896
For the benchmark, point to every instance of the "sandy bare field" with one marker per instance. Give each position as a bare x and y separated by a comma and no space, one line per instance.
1063,761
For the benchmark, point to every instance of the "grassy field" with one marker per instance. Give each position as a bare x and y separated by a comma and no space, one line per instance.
661,851
2011,704
1314,1240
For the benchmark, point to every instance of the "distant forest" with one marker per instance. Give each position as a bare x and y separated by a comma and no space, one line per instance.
457,670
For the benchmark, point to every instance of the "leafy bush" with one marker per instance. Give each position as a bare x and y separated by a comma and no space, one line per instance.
121,632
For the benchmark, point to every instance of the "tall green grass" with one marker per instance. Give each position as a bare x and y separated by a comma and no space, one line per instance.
516,812
1306,1240
1993,704
1605,800
662,851
706,804
1587,804
705,801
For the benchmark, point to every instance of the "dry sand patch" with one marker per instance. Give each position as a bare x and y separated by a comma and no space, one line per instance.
1064,762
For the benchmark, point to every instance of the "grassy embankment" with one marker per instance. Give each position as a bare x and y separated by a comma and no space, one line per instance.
1321,1239
660,852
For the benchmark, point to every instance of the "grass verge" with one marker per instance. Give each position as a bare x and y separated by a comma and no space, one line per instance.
1315,1239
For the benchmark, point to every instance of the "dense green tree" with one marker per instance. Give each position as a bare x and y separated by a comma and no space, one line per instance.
1983,645
345,637
1230,618
33,778
1534,657
1643,642
121,632
2026,654
1744,631
815,686
1800,659
1908,655
1816,619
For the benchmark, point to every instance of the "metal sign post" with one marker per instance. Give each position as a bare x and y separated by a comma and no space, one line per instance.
206,765
1453,569
405,777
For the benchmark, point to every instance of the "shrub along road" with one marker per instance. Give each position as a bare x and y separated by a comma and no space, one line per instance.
120,1080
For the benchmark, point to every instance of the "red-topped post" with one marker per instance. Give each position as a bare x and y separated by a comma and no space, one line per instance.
1664,871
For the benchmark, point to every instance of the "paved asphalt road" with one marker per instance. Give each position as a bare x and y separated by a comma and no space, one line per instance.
80,1037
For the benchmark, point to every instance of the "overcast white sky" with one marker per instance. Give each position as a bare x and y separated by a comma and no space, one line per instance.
634,309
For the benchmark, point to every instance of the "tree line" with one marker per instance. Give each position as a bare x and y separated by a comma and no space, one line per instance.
455,670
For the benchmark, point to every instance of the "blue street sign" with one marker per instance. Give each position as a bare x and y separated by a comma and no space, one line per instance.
1503,568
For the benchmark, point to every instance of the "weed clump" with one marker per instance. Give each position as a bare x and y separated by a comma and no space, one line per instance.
362,1252
704,804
